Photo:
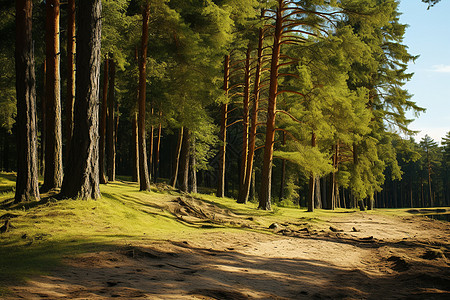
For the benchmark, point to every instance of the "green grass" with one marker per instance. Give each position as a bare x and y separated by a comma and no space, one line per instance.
45,232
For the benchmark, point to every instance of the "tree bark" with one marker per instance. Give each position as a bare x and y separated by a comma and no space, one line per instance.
223,132
27,170
111,126
311,180
53,140
266,179
43,121
193,167
144,180
184,161
254,122
83,180
70,73
150,146
104,113
135,149
283,172
177,158
158,145
245,126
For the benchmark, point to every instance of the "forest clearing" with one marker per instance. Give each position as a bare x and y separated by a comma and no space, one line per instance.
166,245
219,149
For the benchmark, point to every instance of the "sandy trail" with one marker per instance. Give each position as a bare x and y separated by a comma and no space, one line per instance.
385,258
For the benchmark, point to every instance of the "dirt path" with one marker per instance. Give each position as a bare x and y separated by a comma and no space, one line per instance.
359,256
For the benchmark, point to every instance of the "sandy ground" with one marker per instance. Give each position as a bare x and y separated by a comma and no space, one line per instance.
352,256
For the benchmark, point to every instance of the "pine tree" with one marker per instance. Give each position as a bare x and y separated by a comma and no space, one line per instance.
27,171
83,180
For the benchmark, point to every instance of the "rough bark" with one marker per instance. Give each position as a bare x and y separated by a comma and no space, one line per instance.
144,180
111,125
104,113
83,180
27,170
53,140
135,149
266,172
70,73
184,161
223,133
177,158
254,122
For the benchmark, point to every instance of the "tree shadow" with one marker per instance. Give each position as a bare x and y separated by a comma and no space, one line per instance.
167,269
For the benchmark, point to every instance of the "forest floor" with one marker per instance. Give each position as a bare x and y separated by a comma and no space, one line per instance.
176,246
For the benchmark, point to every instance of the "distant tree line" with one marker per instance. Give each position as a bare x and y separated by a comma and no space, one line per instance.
294,102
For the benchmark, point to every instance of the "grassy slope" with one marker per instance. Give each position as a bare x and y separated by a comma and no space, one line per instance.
46,232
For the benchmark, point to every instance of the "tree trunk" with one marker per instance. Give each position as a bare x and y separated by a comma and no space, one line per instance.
43,121
110,135
103,122
245,125
135,149
177,158
193,168
317,196
83,180
283,172
70,72
311,180
53,142
144,180
184,161
266,179
223,133
370,202
150,146
254,122
158,145
27,170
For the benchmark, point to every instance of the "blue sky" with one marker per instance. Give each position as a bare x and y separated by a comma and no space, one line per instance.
428,35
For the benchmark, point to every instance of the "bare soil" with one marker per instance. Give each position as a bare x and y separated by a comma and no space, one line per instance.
348,256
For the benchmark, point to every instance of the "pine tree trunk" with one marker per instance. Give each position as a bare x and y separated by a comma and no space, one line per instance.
266,172
245,126
43,121
158,145
177,158
83,180
184,161
104,113
254,122
193,168
311,180
70,73
53,142
283,171
144,180
317,197
150,154
111,133
223,133
135,149
27,170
